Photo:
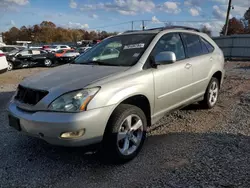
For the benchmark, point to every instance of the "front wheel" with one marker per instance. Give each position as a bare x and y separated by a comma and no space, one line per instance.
47,62
10,66
212,94
125,133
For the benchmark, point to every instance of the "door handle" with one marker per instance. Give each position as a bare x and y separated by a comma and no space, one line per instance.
188,66
211,59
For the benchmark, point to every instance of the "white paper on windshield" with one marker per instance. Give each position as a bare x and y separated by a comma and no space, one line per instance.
134,46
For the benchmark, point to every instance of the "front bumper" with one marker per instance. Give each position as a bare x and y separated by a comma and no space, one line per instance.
52,124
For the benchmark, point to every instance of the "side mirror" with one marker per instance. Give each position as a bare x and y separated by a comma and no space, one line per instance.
165,58
19,55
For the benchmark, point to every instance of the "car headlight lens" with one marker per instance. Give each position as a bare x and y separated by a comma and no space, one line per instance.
76,101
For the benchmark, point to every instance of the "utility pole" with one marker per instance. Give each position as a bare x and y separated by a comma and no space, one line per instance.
143,25
132,25
227,19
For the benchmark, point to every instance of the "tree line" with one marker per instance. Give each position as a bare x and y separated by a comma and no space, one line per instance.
238,26
48,32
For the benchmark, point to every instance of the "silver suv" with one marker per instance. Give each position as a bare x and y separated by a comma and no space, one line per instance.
114,91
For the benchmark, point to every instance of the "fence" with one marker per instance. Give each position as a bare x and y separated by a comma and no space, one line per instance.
235,46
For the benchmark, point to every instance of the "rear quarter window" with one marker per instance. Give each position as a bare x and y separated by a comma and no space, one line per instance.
207,45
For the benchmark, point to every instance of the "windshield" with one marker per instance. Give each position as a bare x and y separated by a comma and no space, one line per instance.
121,50
53,46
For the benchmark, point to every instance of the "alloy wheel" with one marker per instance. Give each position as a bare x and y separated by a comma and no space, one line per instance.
213,93
10,66
130,134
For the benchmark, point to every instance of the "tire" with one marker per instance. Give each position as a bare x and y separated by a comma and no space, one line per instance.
47,63
114,145
213,88
10,66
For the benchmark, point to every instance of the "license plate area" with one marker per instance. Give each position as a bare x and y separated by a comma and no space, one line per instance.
14,122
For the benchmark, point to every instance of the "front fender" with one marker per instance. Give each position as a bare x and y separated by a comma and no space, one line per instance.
116,91
126,93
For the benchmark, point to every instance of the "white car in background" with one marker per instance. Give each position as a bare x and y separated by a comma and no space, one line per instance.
3,62
55,48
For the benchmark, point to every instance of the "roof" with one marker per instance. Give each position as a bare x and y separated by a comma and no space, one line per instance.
157,30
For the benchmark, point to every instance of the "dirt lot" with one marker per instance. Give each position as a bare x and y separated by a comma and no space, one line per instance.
188,148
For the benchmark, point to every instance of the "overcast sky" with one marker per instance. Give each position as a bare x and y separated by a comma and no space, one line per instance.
110,15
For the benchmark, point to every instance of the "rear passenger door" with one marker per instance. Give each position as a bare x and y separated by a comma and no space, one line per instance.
199,55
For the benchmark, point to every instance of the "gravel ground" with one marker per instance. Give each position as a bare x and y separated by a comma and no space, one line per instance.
188,148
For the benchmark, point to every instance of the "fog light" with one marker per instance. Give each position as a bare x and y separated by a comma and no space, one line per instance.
74,134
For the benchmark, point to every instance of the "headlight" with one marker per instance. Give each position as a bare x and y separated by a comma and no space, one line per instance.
74,101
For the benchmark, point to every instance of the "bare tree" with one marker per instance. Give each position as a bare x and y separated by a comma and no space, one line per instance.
206,30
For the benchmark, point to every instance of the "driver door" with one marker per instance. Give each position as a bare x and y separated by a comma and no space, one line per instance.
172,81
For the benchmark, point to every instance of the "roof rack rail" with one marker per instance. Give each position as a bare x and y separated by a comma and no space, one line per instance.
164,28
173,27
182,27
129,31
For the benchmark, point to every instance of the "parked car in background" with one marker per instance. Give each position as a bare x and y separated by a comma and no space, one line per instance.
114,92
31,57
55,48
45,47
9,48
82,50
3,62
67,56
59,53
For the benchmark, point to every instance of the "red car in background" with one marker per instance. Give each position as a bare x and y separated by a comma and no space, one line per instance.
45,47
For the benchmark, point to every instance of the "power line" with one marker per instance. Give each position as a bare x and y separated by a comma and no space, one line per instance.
160,22
110,25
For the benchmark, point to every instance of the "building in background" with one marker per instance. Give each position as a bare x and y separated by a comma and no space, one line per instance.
1,40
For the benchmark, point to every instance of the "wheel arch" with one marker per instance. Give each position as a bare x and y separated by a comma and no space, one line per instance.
218,75
139,100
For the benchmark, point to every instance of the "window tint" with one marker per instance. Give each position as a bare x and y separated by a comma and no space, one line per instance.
26,52
3,49
194,47
170,42
8,49
208,46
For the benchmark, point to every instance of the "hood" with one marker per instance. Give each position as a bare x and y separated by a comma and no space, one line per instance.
70,77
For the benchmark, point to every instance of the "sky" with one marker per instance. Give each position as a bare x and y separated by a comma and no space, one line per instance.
117,15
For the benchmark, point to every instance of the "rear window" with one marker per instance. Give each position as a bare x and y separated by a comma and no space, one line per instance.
193,44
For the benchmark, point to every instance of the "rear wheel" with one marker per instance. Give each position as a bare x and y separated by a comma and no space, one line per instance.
10,66
212,94
47,62
125,133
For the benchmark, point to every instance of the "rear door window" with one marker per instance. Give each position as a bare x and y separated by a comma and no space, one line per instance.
193,45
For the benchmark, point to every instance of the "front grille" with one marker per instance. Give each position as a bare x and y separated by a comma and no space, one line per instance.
29,96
